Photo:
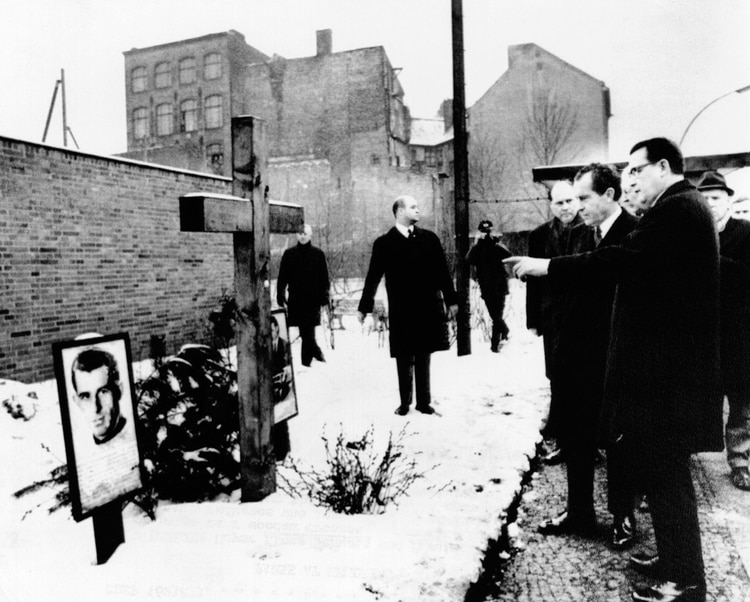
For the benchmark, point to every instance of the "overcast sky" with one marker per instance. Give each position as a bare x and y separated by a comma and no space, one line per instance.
663,60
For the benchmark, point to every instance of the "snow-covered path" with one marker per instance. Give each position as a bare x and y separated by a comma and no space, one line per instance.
428,547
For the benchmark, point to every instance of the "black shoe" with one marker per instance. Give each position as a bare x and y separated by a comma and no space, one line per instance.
402,410
646,564
556,456
740,477
320,357
494,349
669,591
623,533
426,409
564,525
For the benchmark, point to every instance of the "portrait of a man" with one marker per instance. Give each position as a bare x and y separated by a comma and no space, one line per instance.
95,383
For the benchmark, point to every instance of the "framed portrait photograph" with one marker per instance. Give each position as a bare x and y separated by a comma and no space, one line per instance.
284,392
97,402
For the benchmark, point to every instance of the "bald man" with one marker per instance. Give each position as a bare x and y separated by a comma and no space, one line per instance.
550,240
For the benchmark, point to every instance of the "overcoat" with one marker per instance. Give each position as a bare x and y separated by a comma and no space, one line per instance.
542,306
418,285
662,379
305,271
734,246
580,362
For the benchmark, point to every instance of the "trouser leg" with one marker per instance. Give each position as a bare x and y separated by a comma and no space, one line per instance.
307,334
620,489
674,511
405,371
495,308
738,429
422,379
580,469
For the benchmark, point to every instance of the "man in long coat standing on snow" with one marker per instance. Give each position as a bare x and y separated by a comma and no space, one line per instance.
305,271
419,286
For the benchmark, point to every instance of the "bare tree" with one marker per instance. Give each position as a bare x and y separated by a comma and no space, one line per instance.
547,137
550,124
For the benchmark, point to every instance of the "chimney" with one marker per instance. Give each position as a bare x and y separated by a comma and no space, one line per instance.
325,44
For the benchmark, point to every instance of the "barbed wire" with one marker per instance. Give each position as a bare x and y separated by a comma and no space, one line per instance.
524,200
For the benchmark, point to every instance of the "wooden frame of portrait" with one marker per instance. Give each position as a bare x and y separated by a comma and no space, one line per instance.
285,393
100,421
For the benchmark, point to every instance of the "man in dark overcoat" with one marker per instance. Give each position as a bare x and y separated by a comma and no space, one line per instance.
486,257
580,364
734,247
662,398
305,272
542,306
419,287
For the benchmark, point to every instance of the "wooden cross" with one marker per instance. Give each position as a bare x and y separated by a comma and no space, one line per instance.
250,217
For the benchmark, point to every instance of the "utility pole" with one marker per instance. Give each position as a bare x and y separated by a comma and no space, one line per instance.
461,174
59,85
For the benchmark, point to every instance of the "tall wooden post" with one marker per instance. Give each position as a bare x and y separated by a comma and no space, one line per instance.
461,169
252,255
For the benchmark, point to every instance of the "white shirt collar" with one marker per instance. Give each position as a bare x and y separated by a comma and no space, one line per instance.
403,229
607,223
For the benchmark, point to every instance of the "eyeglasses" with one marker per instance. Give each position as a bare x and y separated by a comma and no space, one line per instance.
636,171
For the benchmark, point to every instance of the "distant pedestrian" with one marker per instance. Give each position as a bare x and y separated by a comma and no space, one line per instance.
305,272
662,397
419,287
734,247
486,257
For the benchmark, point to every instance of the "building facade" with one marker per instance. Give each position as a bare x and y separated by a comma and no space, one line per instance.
180,98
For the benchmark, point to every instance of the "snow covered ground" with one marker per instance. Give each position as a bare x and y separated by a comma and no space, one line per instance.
428,547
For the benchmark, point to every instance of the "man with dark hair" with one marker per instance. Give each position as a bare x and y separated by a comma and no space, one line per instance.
662,398
304,272
419,286
580,364
96,383
542,307
486,256
734,246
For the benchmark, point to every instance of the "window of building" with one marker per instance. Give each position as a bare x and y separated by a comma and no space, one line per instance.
164,119
212,66
187,70
418,154
163,76
430,157
140,123
138,79
189,116
214,117
215,157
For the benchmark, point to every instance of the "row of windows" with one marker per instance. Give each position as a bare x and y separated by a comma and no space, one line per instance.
186,73
188,117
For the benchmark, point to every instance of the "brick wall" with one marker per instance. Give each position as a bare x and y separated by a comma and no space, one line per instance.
91,243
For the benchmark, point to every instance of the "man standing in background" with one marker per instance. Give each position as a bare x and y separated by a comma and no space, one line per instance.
305,272
734,248
542,308
419,286
486,257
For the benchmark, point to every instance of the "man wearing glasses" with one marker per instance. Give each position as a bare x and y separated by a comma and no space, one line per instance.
662,397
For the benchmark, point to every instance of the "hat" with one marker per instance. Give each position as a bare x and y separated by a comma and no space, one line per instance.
713,180
485,225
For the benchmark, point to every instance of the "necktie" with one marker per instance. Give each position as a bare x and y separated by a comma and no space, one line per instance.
411,232
597,235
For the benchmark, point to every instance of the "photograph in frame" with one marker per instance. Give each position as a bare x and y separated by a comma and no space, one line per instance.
284,391
98,410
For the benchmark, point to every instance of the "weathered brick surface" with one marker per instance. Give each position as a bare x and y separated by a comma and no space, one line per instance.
91,243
